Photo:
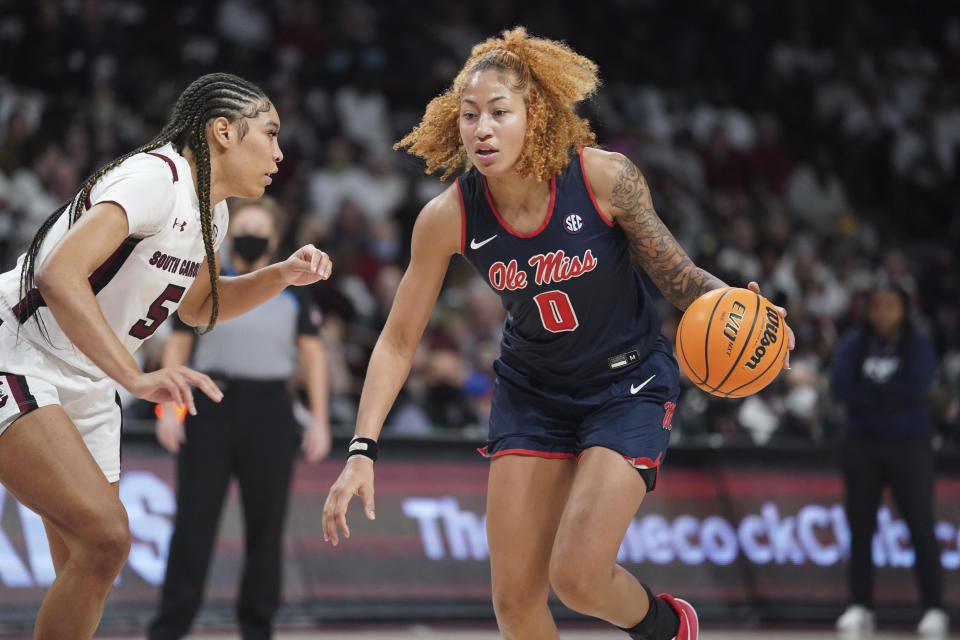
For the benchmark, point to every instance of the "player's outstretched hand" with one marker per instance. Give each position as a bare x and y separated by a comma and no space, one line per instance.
355,479
791,340
172,384
306,266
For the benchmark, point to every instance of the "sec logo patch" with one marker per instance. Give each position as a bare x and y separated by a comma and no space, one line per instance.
573,223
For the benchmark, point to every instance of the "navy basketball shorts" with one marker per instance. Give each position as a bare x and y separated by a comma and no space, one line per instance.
631,415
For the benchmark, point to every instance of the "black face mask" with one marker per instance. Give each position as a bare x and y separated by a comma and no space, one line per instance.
250,248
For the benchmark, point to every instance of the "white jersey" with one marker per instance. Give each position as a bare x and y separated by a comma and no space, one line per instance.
146,277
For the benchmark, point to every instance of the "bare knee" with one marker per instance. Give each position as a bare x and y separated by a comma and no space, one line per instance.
113,548
103,546
577,582
515,603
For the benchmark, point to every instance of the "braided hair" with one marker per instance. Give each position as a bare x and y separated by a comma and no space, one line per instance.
210,96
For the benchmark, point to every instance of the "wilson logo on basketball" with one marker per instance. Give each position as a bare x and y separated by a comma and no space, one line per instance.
731,342
573,223
770,332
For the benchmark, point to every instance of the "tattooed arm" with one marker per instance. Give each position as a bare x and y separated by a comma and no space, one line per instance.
623,196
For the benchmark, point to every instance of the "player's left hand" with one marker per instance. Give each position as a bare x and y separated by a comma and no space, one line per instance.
791,340
307,265
316,441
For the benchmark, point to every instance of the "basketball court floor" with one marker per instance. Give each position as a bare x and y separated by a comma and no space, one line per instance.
436,634
416,632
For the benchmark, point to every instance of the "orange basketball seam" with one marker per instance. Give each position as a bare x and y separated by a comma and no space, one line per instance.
706,335
683,354
746,341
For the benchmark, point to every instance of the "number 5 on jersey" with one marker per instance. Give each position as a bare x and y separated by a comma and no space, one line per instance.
556,312
157,313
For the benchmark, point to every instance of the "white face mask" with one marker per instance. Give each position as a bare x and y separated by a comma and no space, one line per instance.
801,401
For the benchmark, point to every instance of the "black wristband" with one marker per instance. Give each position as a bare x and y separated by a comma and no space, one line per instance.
362,447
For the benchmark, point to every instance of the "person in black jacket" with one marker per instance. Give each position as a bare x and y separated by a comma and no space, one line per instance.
883,372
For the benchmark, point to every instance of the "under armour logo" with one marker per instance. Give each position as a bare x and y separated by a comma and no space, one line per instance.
179,224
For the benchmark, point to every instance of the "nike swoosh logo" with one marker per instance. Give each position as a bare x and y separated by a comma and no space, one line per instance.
634,389
476,245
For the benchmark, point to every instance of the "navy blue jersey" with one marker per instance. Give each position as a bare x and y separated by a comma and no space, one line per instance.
577,310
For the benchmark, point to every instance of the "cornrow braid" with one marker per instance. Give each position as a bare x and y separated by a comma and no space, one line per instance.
210,96
78,203
202,155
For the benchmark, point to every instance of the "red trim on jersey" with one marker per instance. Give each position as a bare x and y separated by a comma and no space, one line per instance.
645,463
98,280
524,452
546,220
105,272
28,305
21,392
463,220
173,167
593,199
638,463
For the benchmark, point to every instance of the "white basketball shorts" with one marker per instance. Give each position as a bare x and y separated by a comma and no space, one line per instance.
31,378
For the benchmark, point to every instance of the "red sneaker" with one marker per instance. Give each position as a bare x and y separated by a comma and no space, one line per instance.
689,625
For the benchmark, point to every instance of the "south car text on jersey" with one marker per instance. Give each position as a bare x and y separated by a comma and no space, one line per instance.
173,264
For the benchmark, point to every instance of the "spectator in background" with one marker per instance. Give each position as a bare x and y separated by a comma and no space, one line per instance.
883,372
768,161
445,401
737,261
815,194
338,179
252,435
884,106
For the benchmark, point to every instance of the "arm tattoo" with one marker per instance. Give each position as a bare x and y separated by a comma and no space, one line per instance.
652,246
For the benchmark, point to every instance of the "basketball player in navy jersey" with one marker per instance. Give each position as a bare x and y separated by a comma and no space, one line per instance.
585,384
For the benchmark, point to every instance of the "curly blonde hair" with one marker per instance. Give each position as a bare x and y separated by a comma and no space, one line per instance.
553,78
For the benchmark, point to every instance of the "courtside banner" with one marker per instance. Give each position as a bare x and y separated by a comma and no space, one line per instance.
731,536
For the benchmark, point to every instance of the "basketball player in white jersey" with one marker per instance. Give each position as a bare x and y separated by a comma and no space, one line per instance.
138,242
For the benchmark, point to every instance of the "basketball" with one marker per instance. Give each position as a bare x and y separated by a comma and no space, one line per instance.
731,342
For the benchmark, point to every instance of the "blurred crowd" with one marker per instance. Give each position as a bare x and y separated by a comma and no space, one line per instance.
810,146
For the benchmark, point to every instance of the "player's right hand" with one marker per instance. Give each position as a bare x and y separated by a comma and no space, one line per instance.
355,479
172,384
